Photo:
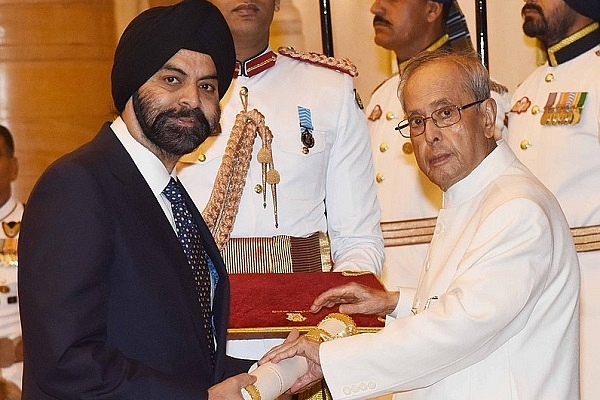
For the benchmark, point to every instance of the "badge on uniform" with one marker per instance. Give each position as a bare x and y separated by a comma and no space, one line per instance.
11,228
358,100
8,252
375,113
306,129
521,105
563,108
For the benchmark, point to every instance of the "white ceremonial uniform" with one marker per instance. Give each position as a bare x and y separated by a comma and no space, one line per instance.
566,158
10,322
330,189
496,310
403,191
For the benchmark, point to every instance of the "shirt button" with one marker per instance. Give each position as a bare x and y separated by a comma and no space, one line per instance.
407,148
355,388
379,177
347,390
363,386
525,144
383,147
535,109
427,266
258,188
390,116
202,157
549,77
440,228
372,385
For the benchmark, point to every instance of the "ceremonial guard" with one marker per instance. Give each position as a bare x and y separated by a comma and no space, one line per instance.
11,211
291,169
409,201
554,128
316,140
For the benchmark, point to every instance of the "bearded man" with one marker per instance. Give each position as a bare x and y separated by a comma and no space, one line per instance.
123,292
554,129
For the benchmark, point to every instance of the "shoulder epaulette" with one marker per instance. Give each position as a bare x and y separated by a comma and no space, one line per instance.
385,81
498,88
339,64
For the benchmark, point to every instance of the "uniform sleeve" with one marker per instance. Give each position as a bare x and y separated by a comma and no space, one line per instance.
351,200
499,281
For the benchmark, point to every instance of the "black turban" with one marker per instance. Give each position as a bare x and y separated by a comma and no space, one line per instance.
589,8
154,36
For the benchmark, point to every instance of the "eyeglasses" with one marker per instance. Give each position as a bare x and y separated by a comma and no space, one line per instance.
442,118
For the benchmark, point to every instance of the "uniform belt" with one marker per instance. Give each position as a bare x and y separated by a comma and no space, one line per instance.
407,232
11,351
278,254
586,238
418,231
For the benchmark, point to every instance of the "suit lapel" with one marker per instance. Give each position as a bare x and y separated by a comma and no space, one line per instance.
159,233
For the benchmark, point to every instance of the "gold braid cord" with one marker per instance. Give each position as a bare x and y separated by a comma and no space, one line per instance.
339,64
224,202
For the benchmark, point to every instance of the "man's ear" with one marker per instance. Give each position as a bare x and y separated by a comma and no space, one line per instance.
489,107
13,169
434,10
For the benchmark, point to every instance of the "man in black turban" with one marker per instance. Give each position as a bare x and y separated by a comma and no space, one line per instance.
123,293
553,127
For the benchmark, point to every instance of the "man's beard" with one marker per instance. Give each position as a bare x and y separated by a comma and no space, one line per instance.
169,138
550,29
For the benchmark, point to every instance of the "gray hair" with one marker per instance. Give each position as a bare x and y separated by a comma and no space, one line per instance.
475,77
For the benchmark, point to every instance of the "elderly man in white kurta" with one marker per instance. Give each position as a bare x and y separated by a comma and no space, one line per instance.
496,312
406,197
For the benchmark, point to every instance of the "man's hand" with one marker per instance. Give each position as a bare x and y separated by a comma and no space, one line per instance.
231,388
355,298
296,345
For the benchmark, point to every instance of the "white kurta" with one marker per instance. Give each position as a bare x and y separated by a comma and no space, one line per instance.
403,191
496,308
566,158
10,323
330,189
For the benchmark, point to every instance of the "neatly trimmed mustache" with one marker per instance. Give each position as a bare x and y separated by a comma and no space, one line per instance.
194,113
533,7
380,20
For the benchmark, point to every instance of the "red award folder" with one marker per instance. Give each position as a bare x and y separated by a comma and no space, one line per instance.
270,305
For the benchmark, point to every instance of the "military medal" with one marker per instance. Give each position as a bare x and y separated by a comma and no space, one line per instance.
546,118
11,228
306,129
563,108
580,100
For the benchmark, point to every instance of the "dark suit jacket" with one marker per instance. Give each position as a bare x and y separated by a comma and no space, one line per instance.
107,299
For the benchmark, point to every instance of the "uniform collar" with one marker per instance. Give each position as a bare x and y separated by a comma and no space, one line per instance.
438,44
255,65
574,45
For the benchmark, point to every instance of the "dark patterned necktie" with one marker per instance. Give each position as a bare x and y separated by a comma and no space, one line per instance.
189,238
